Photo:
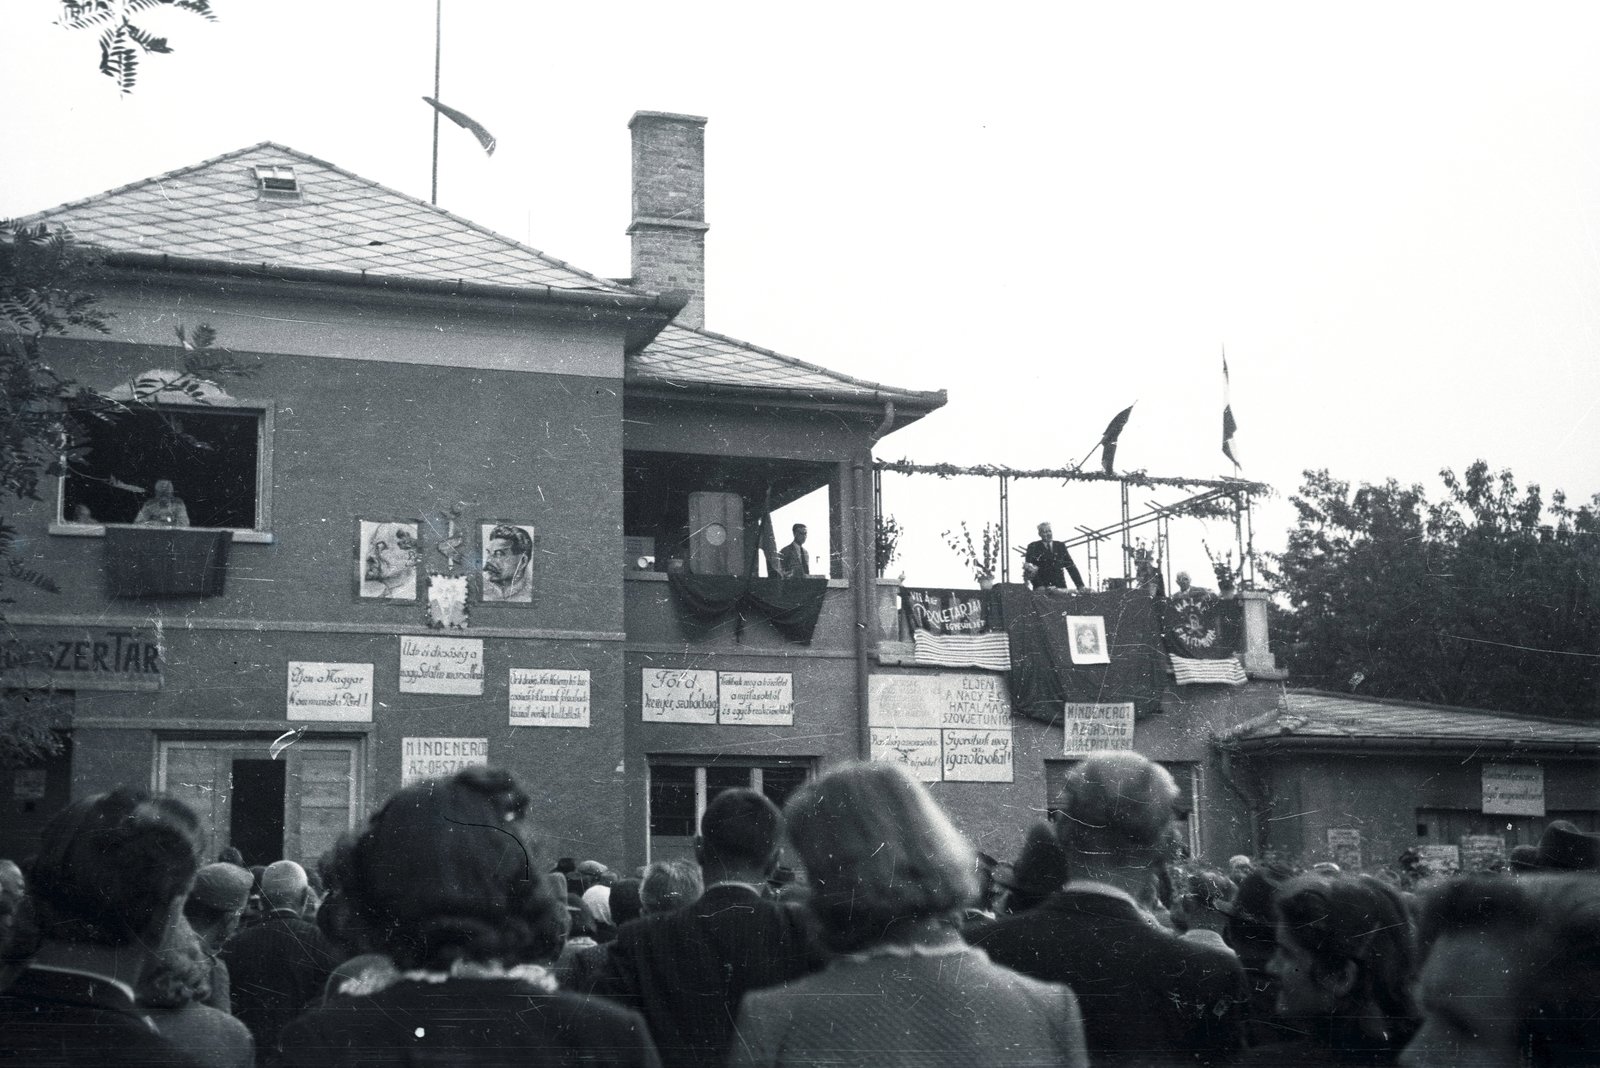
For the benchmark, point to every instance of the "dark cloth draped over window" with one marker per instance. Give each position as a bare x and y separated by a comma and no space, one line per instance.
1043,676
166,561
790,605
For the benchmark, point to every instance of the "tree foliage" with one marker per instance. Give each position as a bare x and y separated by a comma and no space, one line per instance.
121,42
1489,597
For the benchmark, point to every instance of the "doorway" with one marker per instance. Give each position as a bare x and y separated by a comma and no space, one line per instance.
255,819
290,807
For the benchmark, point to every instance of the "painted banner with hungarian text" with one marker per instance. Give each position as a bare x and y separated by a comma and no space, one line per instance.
955,628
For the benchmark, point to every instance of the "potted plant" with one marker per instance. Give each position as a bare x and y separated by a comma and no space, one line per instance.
981,562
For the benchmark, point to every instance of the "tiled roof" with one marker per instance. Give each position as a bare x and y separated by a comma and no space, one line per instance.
681,355
1333,717
340,221
345,223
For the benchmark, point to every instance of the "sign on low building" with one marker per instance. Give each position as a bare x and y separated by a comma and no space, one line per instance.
1513,790
1482,852
433,758
1344,847
1096,728
82,658
549,698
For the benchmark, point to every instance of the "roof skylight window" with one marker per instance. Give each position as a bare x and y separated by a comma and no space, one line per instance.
277,182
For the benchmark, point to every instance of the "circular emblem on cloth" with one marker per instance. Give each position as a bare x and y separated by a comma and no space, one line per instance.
1192,622
716,534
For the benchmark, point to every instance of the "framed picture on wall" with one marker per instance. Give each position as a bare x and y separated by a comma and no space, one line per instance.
387,554
506,562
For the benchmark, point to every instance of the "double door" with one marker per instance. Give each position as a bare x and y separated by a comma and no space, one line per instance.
289,805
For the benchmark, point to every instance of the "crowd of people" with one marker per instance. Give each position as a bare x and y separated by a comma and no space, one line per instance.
440,935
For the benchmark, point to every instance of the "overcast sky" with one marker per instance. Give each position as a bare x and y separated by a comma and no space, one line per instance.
1387,213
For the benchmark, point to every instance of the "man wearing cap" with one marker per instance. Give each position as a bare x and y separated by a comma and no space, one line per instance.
213,909
1563,847
1147,996
280,964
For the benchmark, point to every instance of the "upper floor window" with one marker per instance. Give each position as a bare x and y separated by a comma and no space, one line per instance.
185,465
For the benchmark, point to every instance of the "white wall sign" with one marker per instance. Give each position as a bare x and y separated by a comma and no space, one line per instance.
541,698
1096,728
675,696
971,711
330,691
1344,847
441,665
434,758
973,701
1482,852
755,698
903,702
918,748
977,756
1513,790
1440,858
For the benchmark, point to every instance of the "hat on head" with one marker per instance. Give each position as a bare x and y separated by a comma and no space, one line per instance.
1563,847
591,867
224,887
1525,858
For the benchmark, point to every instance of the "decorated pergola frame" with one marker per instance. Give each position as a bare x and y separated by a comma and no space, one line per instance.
1215,496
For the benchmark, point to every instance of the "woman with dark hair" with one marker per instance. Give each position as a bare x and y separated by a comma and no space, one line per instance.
1344,962
173,989
104,894
446,881
890,876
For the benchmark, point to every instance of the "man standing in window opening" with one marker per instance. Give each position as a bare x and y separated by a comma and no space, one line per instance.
1048,563
794,561
163,510
508,565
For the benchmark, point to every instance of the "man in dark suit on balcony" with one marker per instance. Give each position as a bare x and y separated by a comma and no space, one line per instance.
794,561
1048,563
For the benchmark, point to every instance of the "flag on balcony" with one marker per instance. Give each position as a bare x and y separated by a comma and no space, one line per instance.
989,651
1189,672
953,628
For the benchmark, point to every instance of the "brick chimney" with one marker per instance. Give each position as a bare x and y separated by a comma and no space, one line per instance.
669,207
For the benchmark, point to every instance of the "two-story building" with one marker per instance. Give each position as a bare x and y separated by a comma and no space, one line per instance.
433,523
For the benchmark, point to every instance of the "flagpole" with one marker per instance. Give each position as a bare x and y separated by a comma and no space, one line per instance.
438,26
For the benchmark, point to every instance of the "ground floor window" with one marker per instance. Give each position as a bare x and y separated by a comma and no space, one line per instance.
682,787
289,805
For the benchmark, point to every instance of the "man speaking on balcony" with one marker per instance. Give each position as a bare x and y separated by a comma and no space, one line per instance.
1047,563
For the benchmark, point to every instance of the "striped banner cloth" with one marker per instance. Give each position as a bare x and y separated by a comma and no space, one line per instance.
1189,671
991,651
